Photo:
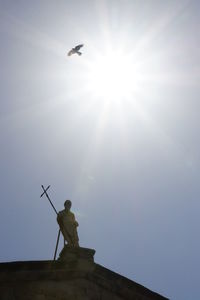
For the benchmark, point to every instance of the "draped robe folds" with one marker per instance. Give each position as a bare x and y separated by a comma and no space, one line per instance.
68,226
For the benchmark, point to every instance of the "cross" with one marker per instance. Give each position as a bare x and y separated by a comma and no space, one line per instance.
45,193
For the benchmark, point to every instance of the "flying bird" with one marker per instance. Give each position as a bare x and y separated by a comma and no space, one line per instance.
75,50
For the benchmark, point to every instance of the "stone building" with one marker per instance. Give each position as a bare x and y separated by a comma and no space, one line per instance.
74,276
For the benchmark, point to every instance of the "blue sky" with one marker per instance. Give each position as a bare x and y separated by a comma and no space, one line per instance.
127,157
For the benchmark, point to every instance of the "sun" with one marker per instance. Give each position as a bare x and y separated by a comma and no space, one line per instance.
112,75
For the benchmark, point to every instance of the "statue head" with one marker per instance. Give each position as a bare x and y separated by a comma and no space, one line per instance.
67,204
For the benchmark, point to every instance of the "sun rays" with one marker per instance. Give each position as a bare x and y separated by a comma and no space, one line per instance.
107,86
111,76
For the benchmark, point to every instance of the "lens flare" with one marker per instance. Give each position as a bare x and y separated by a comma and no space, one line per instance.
112,76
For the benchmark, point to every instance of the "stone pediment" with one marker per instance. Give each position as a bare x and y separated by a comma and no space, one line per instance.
73,276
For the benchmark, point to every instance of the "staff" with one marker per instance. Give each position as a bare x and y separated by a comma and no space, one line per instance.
58,237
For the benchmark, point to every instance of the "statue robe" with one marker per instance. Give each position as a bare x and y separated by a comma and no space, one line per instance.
68,226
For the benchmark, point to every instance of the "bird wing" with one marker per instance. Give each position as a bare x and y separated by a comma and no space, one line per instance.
78,47
70,52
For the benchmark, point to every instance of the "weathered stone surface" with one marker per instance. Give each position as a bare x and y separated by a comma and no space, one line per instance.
73,254
77,258
74,276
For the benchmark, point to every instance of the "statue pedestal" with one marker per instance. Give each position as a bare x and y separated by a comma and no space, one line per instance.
77,257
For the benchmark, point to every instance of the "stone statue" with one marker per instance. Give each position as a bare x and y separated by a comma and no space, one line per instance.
68,225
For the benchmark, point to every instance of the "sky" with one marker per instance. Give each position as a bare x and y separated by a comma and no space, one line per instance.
116,130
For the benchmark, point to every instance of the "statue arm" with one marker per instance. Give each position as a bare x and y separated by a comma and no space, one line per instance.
74,221
59,220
